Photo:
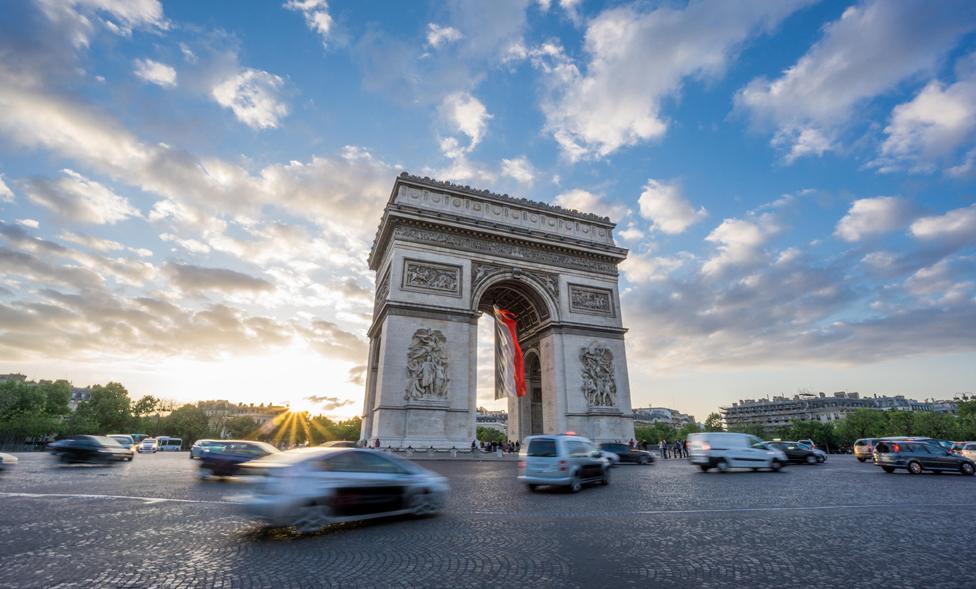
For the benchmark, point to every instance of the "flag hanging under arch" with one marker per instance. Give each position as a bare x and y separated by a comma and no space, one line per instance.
509,364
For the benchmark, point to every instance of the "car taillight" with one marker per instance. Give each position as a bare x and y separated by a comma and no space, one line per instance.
562,465
706,446
895,448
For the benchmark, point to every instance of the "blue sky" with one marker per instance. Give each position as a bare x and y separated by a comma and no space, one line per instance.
189,189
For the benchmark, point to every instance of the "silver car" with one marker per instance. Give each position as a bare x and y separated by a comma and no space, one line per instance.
310,488
563,461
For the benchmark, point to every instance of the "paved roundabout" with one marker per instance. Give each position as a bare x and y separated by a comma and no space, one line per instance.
153,524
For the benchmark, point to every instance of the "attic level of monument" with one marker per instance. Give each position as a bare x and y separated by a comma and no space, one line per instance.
499,218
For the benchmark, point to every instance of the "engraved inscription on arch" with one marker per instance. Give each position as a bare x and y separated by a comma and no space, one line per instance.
591,300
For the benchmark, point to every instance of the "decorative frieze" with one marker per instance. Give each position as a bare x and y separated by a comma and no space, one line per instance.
427,366
591,300
481,271
599,385
382,291
430,277
471,243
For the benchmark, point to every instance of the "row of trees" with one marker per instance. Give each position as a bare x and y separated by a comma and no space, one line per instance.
840,435
34,413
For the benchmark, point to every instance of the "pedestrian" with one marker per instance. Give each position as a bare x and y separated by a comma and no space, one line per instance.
664,449
677,449
474,445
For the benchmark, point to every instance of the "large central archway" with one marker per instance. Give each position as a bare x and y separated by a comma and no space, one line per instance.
533,310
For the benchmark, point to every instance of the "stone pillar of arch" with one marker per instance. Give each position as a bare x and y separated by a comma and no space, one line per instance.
443,255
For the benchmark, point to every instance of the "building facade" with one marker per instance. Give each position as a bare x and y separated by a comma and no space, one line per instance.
445,254
671,417
781,411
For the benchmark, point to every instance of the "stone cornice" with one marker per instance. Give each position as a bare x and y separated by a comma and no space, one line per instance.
565,253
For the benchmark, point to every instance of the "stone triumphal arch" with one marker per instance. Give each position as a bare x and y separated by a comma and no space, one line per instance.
443,255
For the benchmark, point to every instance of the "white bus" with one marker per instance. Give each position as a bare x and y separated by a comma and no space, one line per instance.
168,444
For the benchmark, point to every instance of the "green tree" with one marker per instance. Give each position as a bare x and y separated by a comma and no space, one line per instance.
932,424
901,423
146,405
713,423
863,423
654,433
490,434
243,428
107,411
188,422
349,429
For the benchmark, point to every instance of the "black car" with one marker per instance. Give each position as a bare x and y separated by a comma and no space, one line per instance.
628,454
917,456
90,449
224,460
796,452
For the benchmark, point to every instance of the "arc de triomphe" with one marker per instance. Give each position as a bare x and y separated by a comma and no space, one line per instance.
443,255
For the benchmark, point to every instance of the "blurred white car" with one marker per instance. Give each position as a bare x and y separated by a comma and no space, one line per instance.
148,445
7,461
310,488
612,457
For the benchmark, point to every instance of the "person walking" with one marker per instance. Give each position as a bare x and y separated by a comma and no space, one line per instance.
664,449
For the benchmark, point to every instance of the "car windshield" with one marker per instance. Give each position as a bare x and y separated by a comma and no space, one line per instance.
106,441
542,448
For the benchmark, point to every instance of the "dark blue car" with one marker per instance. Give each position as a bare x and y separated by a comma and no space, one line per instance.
224,460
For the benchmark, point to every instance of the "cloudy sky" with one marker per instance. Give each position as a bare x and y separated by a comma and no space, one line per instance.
188,190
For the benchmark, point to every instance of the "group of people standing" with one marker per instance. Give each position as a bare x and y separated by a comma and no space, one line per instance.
676,449
508,447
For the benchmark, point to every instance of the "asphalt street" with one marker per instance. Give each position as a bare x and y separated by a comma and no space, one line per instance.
151,523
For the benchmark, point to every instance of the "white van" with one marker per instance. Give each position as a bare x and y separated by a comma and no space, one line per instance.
168,444
725,450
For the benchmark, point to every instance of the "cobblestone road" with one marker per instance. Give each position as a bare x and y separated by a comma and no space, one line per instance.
151,523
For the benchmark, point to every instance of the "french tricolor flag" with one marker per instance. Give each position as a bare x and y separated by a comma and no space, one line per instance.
509,365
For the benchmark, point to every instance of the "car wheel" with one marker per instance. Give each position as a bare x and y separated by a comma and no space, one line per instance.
914,467
775,465
606,477
859,459
967,469
888,469
533,488
821,460
423,504
811,459
311,518
576,485
704,467
723,466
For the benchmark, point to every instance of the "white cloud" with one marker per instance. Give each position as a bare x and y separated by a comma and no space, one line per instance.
738,243
630,233
253,97
6,195
32,223
188,55
667,209
874,216
316,13
438,35
90,241
76,198
587,202
872,48
958,225
929,127
520,169
637,59
646,267
467,115
155,72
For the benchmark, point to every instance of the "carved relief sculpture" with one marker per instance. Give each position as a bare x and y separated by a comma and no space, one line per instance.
594,301
432,277
427,366
599,385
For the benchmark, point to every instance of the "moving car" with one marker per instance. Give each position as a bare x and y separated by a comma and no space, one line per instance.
564,460
864,448
628,454
7,461
168,444
796,452
310,488
148,445
200,445
727,450
225,460
969,450
917,456
612,458
126,441
91,449
821,455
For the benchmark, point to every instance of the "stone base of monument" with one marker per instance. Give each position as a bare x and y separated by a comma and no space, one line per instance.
602,424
